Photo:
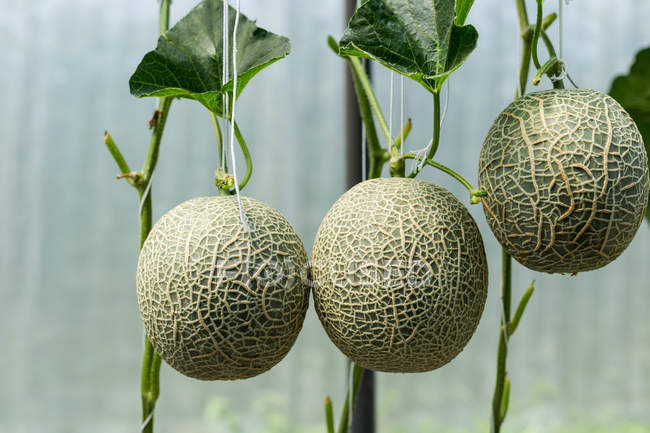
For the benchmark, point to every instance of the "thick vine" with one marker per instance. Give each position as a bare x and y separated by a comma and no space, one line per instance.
141,181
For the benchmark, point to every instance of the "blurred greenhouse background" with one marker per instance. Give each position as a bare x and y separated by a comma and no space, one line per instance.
70,333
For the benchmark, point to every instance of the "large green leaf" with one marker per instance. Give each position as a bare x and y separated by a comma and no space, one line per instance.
188,61
632,91
462,10
416,38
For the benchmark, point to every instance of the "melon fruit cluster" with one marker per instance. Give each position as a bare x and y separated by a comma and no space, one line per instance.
398,266
566,177
400,275
217,301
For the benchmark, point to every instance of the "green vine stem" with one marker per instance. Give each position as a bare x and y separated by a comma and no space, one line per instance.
435,141
164,104
357,374
552,67
527,39
151,361
329,415
475,193
519,312
538,29
436,125
377,155
498,416
223,181
507,326
344,421
364,82
247,157
222,172
119,159
397,142
220,149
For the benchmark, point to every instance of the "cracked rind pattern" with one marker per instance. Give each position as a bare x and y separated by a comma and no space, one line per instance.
400,275
218,302
566,177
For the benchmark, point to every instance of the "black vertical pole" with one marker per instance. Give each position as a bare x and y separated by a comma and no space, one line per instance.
363,418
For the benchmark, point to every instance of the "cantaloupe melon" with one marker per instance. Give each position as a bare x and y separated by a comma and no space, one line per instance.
566,177
218,302
400,275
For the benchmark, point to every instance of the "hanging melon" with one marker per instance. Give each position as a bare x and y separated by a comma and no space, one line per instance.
400,275
566,177
219,302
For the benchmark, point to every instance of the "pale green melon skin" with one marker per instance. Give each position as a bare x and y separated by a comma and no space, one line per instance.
400,275
566,177
219,303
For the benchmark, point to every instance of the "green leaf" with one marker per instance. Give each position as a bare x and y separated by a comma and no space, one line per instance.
416,38
462,10
188,60
632,91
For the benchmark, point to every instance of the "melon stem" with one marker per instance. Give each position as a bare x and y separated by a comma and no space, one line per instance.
435,141
223,164
474,192
436,125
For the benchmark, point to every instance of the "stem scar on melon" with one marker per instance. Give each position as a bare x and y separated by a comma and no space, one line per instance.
400,275
217,302
566,177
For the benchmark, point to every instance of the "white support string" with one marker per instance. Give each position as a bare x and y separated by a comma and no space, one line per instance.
560,27
147,420
364,147
242,217
147,190
444,110
401,115
390,120
364,176
520,90
420,154
224,79
505,324
364,156
564,73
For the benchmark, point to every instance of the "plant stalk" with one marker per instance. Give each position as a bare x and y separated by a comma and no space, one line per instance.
436,125
247,157
435,141
502,354
357,374
164,104
151,361
329,415
501,395
220,146
474,192
377,156
364,82
538,29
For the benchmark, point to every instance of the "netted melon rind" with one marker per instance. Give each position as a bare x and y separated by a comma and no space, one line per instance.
566,177
218,302
400,275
